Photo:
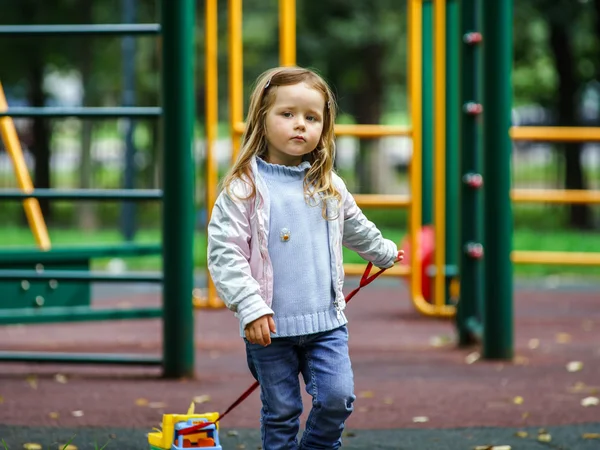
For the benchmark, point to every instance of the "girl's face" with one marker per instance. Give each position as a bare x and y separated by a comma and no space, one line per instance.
294,124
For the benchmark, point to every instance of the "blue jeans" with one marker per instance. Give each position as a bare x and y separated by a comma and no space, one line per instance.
324,363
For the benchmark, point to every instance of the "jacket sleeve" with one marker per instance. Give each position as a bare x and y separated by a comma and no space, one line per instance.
229,235
362,236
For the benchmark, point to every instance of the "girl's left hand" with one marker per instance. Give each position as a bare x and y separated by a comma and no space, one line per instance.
400,256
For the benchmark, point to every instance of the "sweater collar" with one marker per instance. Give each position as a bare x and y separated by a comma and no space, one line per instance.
279,170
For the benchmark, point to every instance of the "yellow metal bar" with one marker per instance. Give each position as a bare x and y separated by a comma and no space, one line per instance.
440,151
372,131
287,32
361,131
548,134
555,196
415,68
556,258
358,270
236,74
31,206
212,123
382,201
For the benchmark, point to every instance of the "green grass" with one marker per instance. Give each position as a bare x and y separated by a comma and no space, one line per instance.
524,239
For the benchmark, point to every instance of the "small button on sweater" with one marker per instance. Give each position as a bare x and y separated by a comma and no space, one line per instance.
298,246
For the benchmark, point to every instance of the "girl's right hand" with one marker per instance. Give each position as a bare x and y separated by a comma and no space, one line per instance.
259,331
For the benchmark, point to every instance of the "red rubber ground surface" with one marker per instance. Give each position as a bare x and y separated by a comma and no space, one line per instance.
399,373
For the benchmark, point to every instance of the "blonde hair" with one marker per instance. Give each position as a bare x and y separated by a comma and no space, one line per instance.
318,181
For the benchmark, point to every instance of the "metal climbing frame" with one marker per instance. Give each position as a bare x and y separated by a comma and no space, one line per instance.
176,29
287,22
557,196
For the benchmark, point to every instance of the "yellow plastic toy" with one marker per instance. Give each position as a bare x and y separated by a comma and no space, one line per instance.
169,439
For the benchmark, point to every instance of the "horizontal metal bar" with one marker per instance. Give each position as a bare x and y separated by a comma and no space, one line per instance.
82,29
555,196
360,131
83,194
53,314
372,131
78,275
549,134
57,254
359,269
556,258
382,201
99,112
80,358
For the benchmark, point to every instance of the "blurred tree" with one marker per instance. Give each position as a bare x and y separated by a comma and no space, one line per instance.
572,46
360,47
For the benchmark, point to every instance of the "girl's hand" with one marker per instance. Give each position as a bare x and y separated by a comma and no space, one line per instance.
259,331
400,256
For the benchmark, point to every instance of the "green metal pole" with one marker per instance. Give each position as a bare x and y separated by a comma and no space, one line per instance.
471,286
452,138
497,94
427,147
178,208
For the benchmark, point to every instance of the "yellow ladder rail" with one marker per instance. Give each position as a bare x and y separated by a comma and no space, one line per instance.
31,205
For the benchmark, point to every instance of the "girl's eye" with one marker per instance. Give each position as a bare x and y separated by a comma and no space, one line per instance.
311,118
287,114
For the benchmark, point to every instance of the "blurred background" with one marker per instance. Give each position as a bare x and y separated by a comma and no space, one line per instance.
359,47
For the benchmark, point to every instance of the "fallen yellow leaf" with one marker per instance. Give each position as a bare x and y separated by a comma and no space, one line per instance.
472,357
533,343
366,394
590,401
157,405
77,413
59,378
67,447
53,415
591,435
522,434
141,402
439,341
544,437
521,360
420,419
32,446
574,366
563,338
32,380
518,400
202,399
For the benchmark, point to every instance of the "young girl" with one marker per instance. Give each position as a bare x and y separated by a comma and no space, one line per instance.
275,255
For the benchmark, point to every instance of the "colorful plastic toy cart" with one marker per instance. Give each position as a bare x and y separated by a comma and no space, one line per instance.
170,437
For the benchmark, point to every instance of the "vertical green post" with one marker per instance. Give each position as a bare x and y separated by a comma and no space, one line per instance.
452,138
427,98
471,286
497,95
178,186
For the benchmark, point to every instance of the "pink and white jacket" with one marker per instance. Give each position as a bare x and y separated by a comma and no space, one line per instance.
238,259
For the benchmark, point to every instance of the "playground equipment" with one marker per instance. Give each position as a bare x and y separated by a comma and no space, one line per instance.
171,437
449,127
53,284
